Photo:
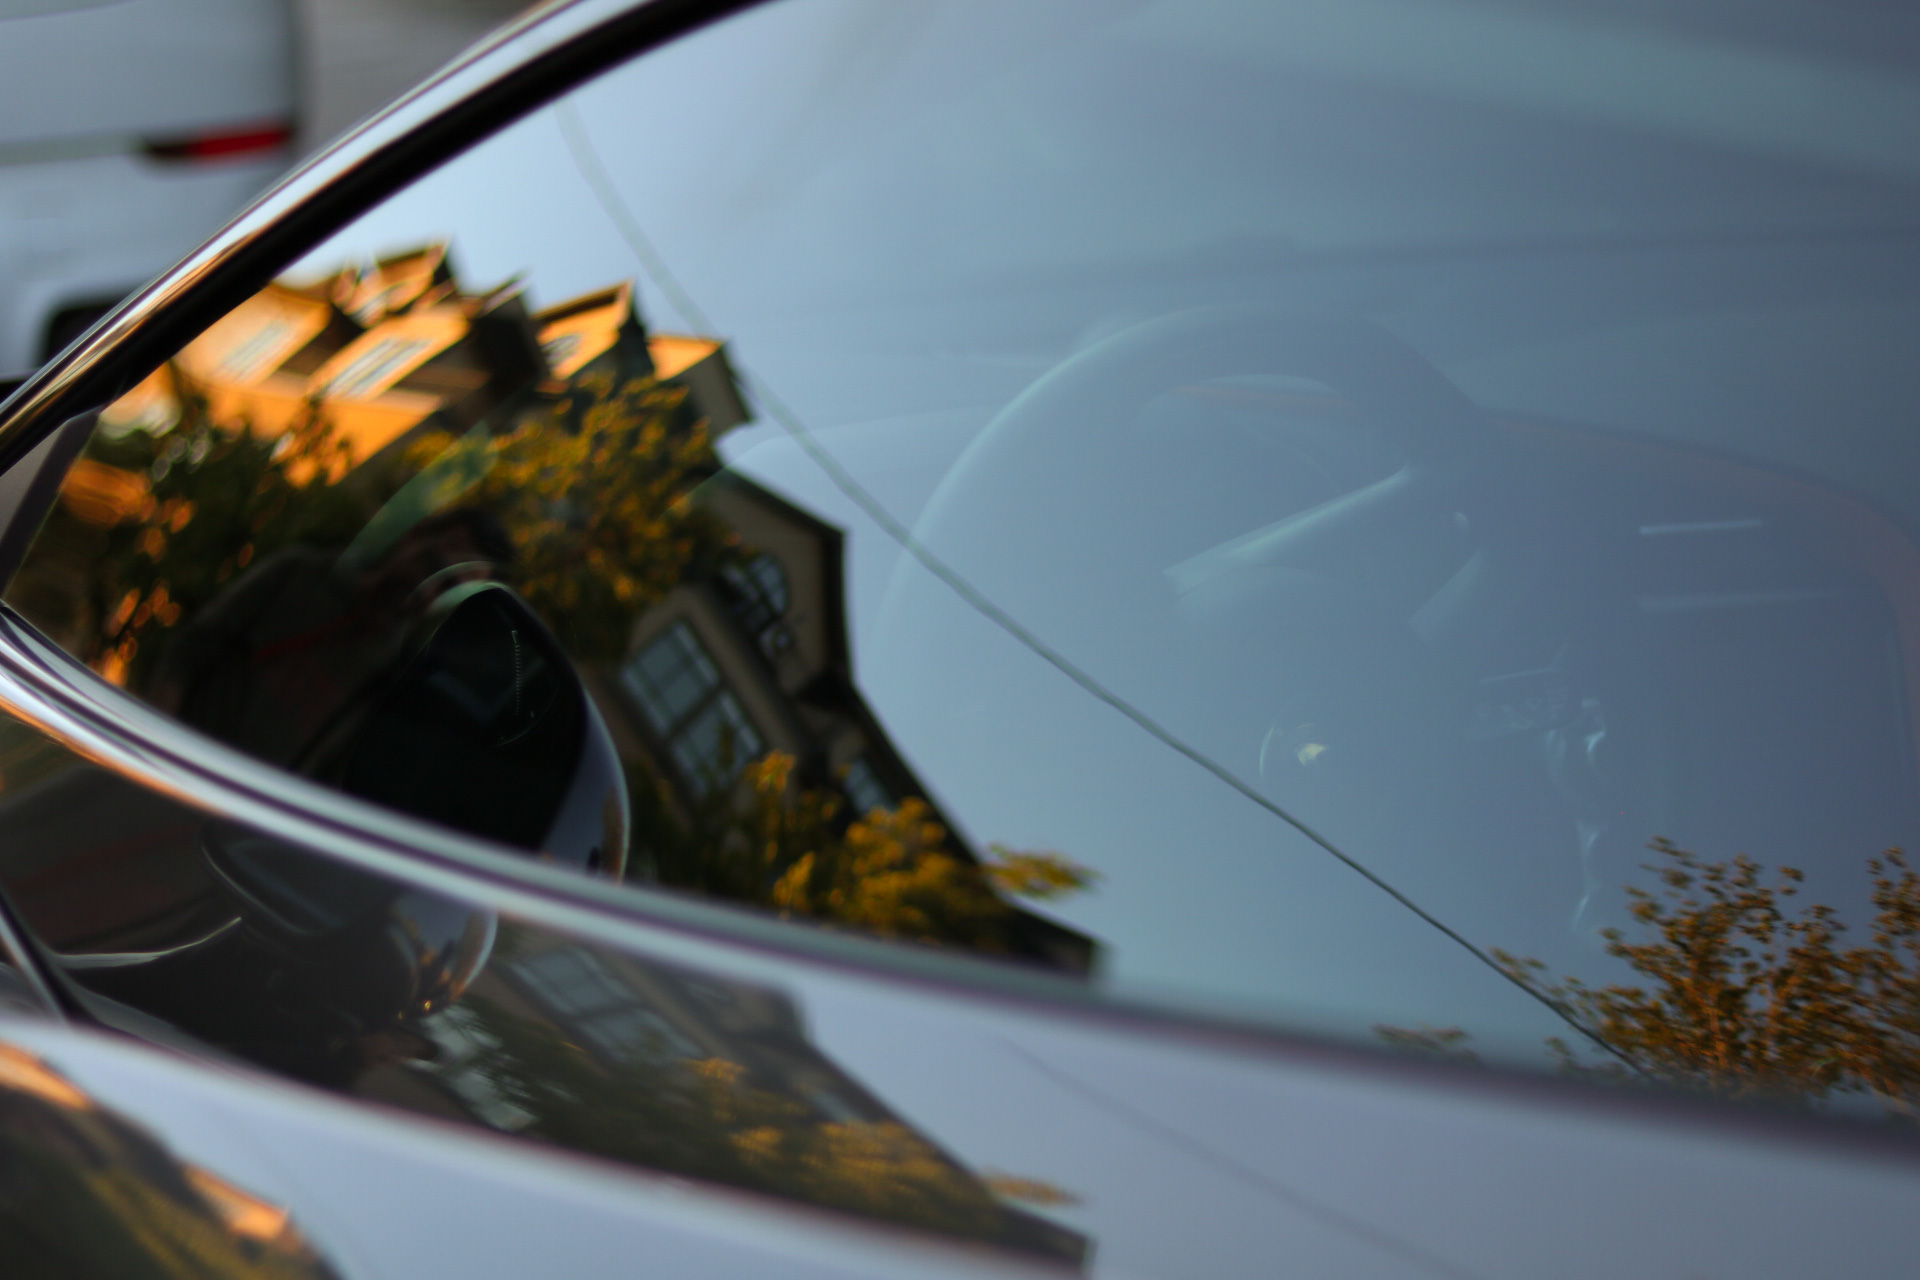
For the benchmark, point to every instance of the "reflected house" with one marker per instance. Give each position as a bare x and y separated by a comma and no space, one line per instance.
675,1069
731,664
391,349
756,659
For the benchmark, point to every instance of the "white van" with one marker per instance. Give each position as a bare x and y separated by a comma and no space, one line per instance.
130,130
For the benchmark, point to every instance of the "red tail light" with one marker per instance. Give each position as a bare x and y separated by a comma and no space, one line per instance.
234,143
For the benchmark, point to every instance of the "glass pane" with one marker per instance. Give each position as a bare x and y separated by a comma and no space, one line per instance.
1315,505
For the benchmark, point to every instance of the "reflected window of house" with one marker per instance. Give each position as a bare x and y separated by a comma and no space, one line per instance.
465,1048
832,1105
864,788
760,599
610,1016
687,702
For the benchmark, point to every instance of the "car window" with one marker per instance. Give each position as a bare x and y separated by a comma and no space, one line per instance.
1394,518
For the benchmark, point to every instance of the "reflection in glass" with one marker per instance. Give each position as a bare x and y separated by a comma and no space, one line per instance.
1742,993
691,707
85,1192
162,922
677,1070
477,564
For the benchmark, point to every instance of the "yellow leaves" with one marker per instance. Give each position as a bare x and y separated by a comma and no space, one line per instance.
718,1071
878,1167
124,624
890,874
312,453
893,872
790,890
428,448
1037,1191
161,519
166,610
1746,999
122,612
596,495
1037,874
759,1145
113,665
768,776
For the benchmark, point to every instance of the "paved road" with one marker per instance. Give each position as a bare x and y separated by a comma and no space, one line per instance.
361,54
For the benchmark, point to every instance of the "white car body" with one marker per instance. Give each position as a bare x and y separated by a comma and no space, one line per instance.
129,132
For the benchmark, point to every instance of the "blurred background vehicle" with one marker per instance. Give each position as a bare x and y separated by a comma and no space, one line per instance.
131,130
358,55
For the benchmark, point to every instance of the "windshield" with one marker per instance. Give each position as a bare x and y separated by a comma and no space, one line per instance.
1325,503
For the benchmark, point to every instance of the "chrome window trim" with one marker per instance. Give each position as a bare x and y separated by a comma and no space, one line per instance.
18,950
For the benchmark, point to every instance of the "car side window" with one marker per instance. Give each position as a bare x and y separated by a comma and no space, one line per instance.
1178,494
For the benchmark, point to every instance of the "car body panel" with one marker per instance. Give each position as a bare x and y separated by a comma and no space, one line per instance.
1182,1158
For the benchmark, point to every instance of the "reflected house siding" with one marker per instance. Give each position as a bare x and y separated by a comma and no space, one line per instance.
793,677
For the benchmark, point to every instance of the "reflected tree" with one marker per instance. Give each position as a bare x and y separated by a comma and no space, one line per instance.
1745,994
595,488
734,1095
706,1119
1749,998
892,872
155,527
